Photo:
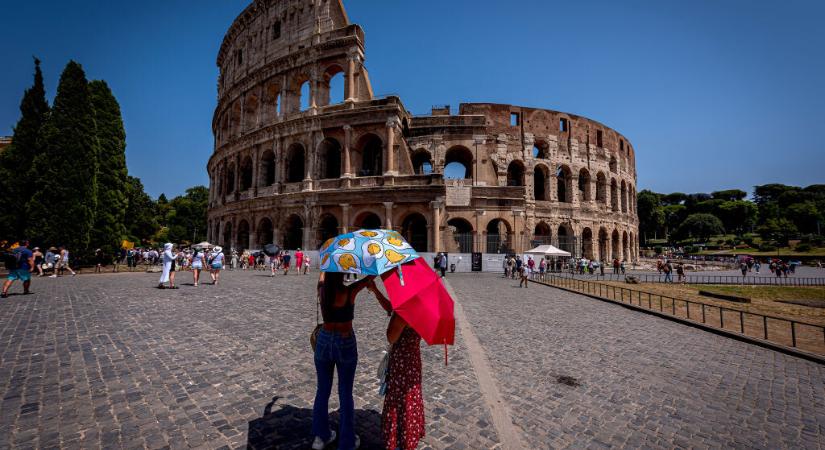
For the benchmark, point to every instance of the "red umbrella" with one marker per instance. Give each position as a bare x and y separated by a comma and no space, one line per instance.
423,302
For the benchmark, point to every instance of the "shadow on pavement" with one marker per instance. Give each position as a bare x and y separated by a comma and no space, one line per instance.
288,427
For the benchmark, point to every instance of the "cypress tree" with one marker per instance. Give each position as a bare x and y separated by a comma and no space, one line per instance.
62,210
109,227
16,180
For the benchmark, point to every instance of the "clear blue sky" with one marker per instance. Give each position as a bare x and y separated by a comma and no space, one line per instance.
713,93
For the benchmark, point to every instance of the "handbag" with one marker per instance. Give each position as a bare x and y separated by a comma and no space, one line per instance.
384,370
313,337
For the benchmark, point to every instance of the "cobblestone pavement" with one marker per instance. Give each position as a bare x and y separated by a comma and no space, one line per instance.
578,372
109,361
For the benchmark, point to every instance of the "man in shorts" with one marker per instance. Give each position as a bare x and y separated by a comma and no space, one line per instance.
24,263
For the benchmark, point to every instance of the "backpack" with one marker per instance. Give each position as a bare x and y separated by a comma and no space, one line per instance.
13,260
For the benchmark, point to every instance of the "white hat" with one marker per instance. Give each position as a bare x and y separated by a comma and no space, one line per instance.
218,249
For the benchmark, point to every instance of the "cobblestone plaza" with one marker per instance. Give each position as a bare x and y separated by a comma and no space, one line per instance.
108,361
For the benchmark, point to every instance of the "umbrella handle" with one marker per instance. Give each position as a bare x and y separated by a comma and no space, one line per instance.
445,353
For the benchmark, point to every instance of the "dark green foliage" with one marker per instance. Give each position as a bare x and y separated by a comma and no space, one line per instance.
700,226
16,175
111,177
62,210
676,198
803,248
186,216
141,222
729,195
651,215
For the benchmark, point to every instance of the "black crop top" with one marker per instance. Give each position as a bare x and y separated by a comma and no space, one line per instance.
339,315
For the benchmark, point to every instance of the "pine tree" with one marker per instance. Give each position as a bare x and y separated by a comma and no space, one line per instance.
62,210
16,180
109,227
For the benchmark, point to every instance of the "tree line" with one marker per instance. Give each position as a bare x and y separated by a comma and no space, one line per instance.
65,180
777,213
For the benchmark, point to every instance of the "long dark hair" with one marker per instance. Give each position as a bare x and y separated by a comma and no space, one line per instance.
333,283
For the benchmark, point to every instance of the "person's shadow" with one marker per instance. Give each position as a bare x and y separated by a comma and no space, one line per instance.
288,427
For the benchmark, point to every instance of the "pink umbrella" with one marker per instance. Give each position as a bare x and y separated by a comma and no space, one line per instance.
423,302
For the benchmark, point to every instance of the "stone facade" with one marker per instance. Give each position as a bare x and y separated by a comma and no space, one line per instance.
293,166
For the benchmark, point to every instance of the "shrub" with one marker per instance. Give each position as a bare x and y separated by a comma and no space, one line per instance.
803,248
767,248
658,249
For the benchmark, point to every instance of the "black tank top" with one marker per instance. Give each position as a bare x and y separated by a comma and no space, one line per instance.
339,315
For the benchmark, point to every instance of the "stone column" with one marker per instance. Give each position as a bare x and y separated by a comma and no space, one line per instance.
284,99
479,243
392,124
313,90
243,114
351,89
388,215
436,207
256,168
346,170
345,218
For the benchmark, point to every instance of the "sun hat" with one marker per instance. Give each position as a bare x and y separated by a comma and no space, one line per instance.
218,249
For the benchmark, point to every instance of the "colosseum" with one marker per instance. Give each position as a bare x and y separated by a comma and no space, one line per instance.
296,162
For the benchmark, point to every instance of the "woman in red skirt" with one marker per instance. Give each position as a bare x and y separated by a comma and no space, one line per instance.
403,418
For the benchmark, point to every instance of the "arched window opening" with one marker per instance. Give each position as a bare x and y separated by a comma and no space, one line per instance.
330,158
458,163
268,168
328,228
515,174
564,182
295,163
584,185
271,102
614,195
422,162
603,245
264,233
372,156
230,180
540,183
625,246
601,188
368,221
463,236
624,197
542,234
227,235
293,233
616,245
242,240
587,243
541,150
305,96
251,112
567,240
613,164
414,230
499,237
246,173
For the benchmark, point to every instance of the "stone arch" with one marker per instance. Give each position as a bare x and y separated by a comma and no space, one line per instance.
329,157
332,77
422,162
541,175
264,233
625,246
227,235
585,190
414,230
615,240
601,188
462,235
251,105
370,151
499,236
624,196
613,165
267,168
246,173
235,118
369,220
242,238
271,103
293,234
587,243
567,238
564,182
230,179
603,245
542,234
328,228
456,156
614,195
541,149
631,198
295,163
515,173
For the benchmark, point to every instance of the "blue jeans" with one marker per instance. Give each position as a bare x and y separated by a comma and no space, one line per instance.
668,277
331,351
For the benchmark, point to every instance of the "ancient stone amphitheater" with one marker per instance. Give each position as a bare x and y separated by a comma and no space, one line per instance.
296,162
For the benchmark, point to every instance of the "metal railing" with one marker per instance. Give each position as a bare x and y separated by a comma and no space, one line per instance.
791,333
705,279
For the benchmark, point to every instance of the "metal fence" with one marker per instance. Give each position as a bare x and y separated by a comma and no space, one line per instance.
706,279
795,334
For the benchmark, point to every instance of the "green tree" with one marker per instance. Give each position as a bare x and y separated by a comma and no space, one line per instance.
738,215
805,216
111,176
186,219
62,210
141,220
674,216
700,226
651,216
779,230
729,195
16,174
675,198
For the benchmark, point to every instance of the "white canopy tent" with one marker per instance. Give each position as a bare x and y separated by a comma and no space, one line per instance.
547,250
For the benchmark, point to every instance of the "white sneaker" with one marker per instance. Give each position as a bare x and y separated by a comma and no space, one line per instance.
319,444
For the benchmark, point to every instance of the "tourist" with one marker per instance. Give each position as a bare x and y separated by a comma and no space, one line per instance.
233,263
168,268
216,264
518,264
543,268
668,270
250,261
273,265
299,261
616,266
99,261
336,348
510,266
38,261
286,258
756,266
524,274
743,267
623,267
442,264
196,261
49,259
680,273
20,265
64,262
402,420
601,268
307,264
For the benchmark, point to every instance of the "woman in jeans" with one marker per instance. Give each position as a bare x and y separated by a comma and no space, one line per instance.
336,347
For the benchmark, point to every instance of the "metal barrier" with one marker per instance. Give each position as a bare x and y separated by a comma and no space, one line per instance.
796,334
706,279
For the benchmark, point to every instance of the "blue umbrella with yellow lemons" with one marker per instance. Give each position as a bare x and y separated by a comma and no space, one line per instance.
366,252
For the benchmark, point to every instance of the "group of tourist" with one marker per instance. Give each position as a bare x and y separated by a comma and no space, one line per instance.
197,258
259,260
